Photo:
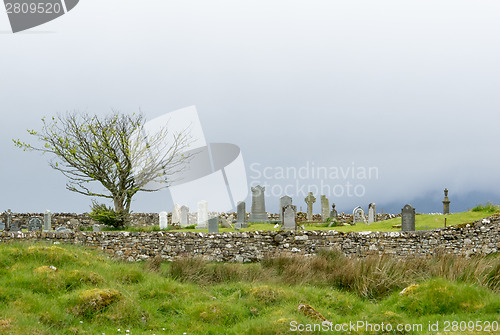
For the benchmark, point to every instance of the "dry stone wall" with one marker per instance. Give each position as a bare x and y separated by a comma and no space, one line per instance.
478,238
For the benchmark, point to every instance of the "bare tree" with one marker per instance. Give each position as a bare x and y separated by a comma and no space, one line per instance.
113,150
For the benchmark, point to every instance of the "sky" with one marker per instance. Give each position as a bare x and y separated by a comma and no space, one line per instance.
404,93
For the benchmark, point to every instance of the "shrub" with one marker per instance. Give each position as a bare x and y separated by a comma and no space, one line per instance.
488,207
106,215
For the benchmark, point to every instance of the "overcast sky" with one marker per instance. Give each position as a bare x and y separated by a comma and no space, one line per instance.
409,88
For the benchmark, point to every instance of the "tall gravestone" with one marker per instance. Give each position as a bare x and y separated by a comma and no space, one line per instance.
242,215
202,215
184,217
446,202
333,213
284,201
258,213
408,218
35,224
289,217
213,225
163,220
8,222
325,207
358,215
372,213
310,200
176,215
47,221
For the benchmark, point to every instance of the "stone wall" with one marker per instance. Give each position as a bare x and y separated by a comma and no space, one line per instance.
478,238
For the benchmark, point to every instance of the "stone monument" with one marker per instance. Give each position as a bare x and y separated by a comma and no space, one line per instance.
310,200
333,213
289,217
35,224
372,213
285,200
242,216
358,215
202,215
213,225
258,213
325,206
176,215
446,202
163,220
47,221
408,218
184,217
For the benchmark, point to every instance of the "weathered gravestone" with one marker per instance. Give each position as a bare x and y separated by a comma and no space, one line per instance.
2,226
213,225
35,224
226,223
289,217
242,216
333,213
258,213
202,215
310,200
184,217
358,215
47,221
372,213
284,201
446,202
96,228
163,220
408,218
325,206
9,220
176,215
15,226
63,230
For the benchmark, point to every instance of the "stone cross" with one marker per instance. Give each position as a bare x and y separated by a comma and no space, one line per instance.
184,217
213,225
242,216
163,220
202,215
176,215
372,213
446,202
47,221
285,200
35,224
325,206
358,215
310,200
333,213
408,218
289,217
258,213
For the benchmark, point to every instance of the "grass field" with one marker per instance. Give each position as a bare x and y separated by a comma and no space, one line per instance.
49,289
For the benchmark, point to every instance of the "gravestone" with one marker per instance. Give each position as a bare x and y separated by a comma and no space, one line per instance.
47,221
184,217
163,220
14,226
242,216
333,213
372,213
213,225
258,213
202,215
289,217
325,206
358,215
284,201
63,230
226,223
35,224
9,220
446,202
408,218
310,200
176,215
2,226
96,228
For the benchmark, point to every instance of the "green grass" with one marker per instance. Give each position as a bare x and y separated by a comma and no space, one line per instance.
49,289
